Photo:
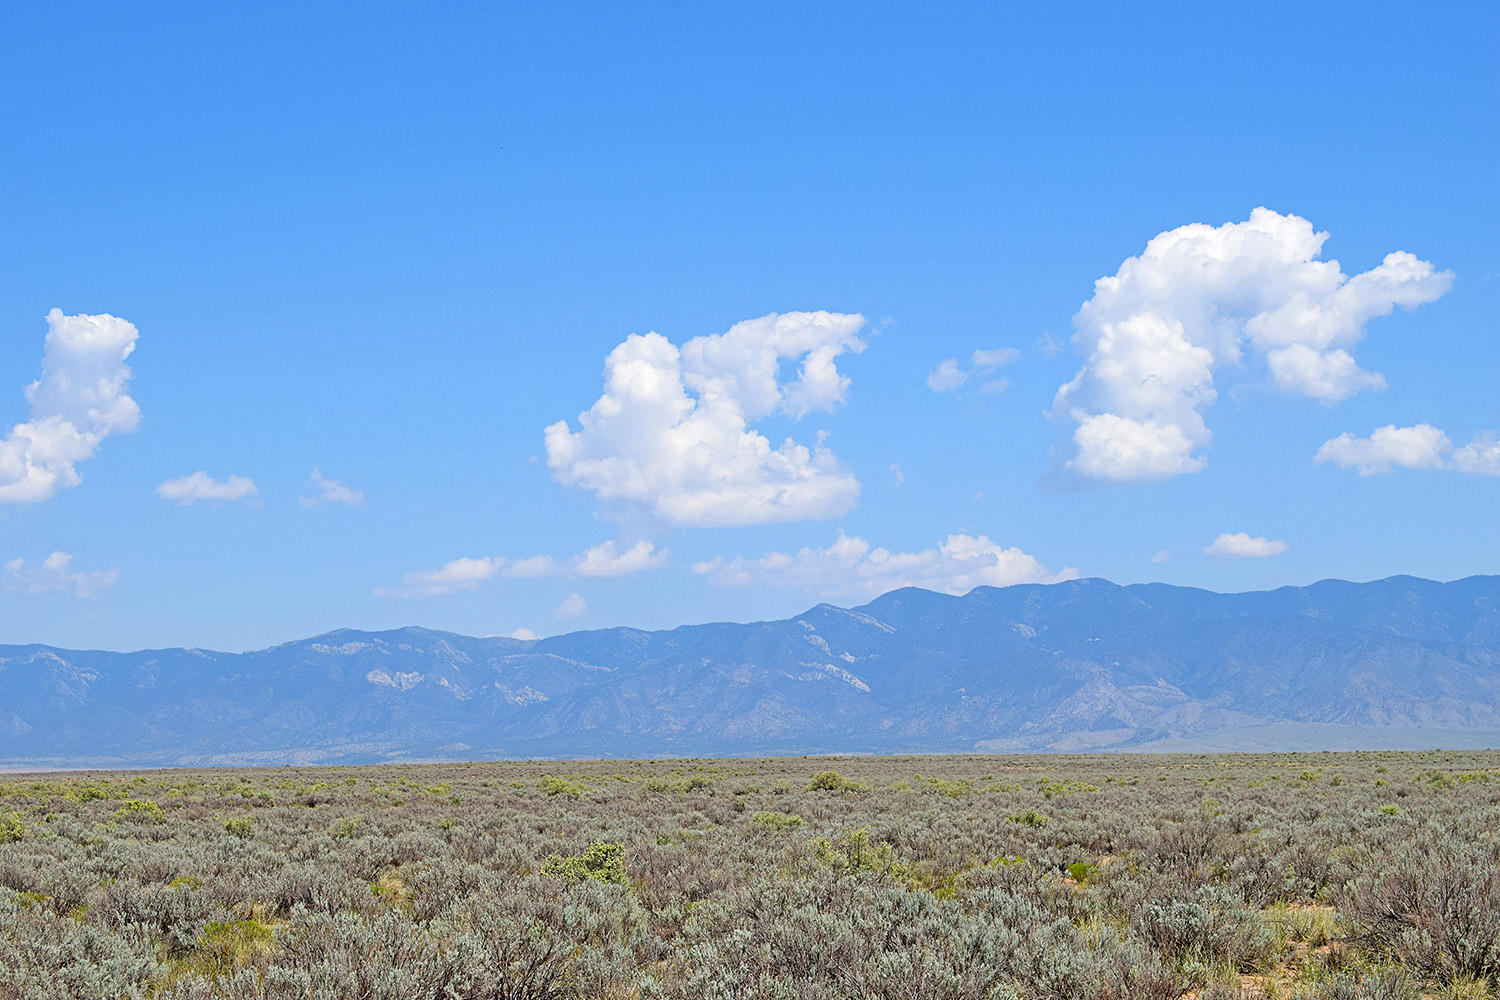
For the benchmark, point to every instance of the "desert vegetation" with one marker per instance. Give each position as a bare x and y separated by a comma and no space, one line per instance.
1369,875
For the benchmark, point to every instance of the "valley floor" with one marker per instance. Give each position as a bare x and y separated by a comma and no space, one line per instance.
1328,875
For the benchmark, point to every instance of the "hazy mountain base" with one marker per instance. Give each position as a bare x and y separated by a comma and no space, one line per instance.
1083,665
1268,738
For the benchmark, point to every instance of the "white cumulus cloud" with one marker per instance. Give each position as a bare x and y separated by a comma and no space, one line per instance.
572,607
851,567
1480,457
950,375
1241,546
325,490
672,432
1200,299
1421,446
56,574
449,578
79,400
606,559
201,486
947,376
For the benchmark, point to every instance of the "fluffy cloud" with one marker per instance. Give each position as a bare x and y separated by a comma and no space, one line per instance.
79,400
1200,299
851,568
947,376
950,375
572,607
450,578
1241,546
327,490
672,431
1421,446
603,560
201,486
57,575
1480,457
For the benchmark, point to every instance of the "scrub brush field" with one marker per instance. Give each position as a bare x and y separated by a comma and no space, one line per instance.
1335,875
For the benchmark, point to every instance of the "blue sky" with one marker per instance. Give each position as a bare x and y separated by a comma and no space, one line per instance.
395,245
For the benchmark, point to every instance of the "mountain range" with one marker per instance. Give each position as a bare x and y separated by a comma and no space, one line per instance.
1080,665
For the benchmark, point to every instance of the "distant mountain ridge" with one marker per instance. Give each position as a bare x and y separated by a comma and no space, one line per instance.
1085,664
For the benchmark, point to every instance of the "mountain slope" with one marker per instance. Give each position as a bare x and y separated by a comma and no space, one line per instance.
1082,664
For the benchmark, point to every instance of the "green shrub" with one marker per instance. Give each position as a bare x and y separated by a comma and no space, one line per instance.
602,862
240,826
1029,818
832,781
854,852
696,783
347,828
952,789
11,828
87,793
139,809
1068,786
560,786
776,820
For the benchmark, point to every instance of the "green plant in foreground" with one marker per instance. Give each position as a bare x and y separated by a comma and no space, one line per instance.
11,828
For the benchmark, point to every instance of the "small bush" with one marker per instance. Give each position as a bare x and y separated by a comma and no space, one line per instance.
602,862
683,785
832,781
139,809
1212,926
952,789
11,828
776,820
347,828
1436,910
854,853
560,786
240,826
